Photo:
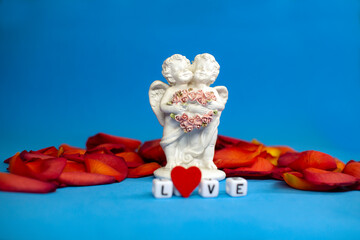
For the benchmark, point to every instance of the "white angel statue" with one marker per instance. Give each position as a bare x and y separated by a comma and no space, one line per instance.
189,110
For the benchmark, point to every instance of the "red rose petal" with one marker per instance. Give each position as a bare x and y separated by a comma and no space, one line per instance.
234,157
8,159
49,169
261,168
96,166
224,141
287,158
15,183
295,180
144,170
84,179
313,159
51,151
151,151
72,166
100,138
278,172
18,167
323,177
108,148
132,159
31,156
74,157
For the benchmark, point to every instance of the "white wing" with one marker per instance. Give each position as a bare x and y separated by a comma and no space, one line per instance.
156,92
223,93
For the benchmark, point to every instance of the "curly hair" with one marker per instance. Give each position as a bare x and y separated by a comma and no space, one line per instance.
166,67
211,60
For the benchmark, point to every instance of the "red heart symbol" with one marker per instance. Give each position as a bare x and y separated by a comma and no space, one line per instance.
186,180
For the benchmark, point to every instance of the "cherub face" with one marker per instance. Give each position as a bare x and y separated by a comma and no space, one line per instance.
181,73
203,72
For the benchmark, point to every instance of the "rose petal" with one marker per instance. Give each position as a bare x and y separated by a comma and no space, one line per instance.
15,183
352,168
323,177
294,180
100,138
144,170
31,156
277,151
261,168
224,141
49,169
339,166
278,172
286,159
74,157
132,159
234,157
113,161
96,166
84,179
67,149
18,167
313,159
72,166
8,159
51,151
108,148
151,151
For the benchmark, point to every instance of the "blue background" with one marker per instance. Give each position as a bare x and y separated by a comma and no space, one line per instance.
70,69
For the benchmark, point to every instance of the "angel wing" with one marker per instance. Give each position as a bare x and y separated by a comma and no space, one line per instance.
156,92
223,93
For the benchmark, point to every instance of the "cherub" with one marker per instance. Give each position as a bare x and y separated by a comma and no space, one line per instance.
206,69
176,70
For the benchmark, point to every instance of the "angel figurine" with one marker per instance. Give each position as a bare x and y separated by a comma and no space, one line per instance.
189,110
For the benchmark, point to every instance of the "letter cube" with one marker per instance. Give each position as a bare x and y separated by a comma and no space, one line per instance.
209,188
236,186
162,188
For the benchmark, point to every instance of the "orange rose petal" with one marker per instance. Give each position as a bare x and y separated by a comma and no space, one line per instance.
294,180
313,159
15,183
72,166
261,168
234,157
96,166
67,149
144,170
84,179
323,177
352,168
132,159
113,161
339,166
151,151
101,138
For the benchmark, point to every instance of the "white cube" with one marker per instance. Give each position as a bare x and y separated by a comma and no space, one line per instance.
162,188
209,188
236,186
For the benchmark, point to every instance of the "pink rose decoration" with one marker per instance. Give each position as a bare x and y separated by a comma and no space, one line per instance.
206,119
192,96
197,126
183,125
210,113
184,99
189,128
184,117
178,118
184,93
191,121
175,99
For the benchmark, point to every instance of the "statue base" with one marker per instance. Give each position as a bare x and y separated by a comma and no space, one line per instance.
205,173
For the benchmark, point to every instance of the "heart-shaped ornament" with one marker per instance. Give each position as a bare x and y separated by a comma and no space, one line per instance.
185,180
